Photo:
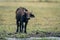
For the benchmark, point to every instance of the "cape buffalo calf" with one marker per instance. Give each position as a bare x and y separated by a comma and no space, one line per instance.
22,17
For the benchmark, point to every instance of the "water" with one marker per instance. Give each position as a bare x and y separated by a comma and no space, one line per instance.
35,38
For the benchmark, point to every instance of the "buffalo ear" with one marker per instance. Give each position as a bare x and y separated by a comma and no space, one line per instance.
32,15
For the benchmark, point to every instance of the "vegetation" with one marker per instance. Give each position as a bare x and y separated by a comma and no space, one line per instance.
29,0
47,17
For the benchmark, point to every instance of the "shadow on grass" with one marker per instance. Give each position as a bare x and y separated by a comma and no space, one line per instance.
33,34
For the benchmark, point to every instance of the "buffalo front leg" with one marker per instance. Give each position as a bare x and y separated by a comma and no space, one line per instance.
25,27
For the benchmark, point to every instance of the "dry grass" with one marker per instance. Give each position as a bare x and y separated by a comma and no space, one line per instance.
47,16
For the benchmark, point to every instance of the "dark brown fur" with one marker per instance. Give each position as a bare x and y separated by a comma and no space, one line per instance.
22,16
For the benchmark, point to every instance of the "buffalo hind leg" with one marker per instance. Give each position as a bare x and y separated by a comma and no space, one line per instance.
17,22
21,26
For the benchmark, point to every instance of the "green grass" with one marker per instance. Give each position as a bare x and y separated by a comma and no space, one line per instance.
47,16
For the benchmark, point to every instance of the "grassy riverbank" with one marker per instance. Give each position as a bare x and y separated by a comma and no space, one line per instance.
47,18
